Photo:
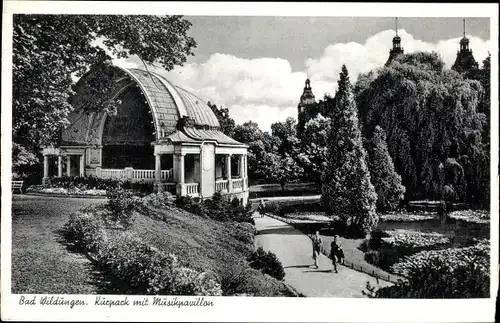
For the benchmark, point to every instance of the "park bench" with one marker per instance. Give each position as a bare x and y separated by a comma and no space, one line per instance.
17,185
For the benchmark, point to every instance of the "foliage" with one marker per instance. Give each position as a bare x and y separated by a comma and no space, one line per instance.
132,266
121,205
217,208
49,49
260,145
268,263
164,200
47,189
347,191
448,273
135,267
227,123
313,150
84,230
431,114
85,182
386,181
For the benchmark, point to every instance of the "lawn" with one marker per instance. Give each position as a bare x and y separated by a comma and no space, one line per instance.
40,261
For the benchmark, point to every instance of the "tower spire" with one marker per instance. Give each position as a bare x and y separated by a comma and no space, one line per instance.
396,26
464,27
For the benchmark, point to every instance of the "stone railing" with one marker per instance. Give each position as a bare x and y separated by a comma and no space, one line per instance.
238,184
221,185
191,188
110,173
130,174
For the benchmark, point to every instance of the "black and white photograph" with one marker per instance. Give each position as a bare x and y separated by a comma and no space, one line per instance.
163,159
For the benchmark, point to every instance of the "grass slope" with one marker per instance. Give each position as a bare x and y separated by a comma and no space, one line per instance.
208,245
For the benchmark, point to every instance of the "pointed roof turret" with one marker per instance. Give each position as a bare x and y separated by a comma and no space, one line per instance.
465,60
396,46
307,96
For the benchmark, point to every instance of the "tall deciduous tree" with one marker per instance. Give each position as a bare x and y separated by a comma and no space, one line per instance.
347,191
313,148
430,114
384,178
48,50
227,123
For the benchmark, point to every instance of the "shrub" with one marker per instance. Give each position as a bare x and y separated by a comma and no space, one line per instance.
268,263
84,230
162,199
234,277
121,205
372,257
217,208
448,273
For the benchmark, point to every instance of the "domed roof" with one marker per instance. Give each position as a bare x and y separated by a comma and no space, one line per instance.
168,103
165,99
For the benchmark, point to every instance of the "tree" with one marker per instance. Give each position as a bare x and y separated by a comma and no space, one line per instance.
347,191
313,150
260,144
227,123
48,50
386,181
429,113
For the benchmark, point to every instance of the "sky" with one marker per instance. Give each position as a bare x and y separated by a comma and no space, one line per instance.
256,66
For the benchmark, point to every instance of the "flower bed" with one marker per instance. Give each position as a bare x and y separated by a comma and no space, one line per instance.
407,217
414,239
308,216
471,216
452,257
44,189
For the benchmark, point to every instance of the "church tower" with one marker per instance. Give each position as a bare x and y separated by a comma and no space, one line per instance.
465,60
306,106
396,47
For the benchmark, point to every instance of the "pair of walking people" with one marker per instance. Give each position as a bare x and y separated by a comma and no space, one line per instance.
336,252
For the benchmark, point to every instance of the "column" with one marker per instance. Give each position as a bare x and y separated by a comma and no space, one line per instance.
157,168
245,172
82,165
59,166
228,174
68,165
182,171
181,186
45,167
242,166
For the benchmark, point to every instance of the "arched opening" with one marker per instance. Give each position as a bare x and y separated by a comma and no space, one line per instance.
127,136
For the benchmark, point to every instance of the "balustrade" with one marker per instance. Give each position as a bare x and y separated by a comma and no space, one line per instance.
191,188
238,184
221,186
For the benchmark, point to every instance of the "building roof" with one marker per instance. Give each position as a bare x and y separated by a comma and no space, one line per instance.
168,103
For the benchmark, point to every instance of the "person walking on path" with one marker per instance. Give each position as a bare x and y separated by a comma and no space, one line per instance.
336,251
317,243
262,208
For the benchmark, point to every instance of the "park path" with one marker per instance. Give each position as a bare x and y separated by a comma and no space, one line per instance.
294,250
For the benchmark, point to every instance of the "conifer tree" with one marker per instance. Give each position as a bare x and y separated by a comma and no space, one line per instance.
385,179
347,191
